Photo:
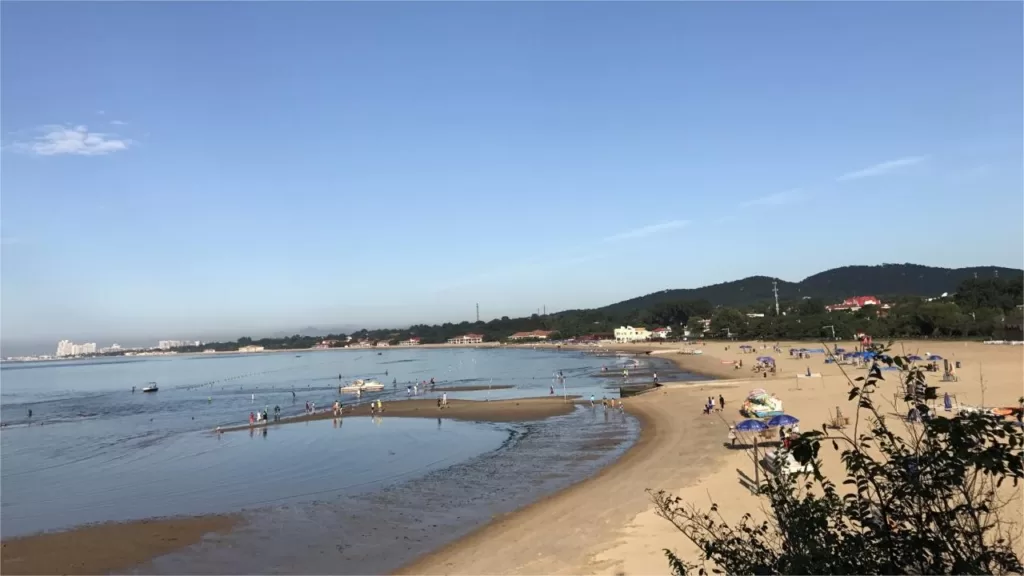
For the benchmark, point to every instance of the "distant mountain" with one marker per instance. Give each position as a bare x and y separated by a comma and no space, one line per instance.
831,285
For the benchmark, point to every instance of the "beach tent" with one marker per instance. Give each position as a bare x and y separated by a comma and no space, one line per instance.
751,426
782,420
766,359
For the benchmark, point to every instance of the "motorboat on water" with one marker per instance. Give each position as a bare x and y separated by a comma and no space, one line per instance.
363,386
151,387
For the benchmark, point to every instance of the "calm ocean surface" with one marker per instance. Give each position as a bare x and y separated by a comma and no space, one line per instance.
93,451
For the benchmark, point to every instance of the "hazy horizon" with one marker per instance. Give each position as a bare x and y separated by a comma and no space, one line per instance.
385,164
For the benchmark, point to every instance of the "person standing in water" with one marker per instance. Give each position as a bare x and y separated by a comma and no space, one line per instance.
133,389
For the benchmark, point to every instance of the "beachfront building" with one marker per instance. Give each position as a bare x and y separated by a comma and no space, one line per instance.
631,334
383,344
250,348
414,341
661,333
467,339
532,335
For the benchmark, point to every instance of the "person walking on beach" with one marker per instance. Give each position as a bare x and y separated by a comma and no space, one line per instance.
552,393
655,378
721,402
591,400
444,399
307,406
408,390
277,413
252,419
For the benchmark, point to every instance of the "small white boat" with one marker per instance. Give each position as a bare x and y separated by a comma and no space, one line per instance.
151,387
363,386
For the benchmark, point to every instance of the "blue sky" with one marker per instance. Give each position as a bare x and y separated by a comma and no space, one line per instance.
178,169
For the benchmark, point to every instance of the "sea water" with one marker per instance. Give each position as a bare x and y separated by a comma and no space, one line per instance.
93,451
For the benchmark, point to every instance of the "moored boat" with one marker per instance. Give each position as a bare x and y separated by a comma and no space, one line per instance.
151,387
363,386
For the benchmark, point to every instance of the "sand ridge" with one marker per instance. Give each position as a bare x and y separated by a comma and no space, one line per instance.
105,548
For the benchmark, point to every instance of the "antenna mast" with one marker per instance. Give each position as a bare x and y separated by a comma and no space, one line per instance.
775,289
477,311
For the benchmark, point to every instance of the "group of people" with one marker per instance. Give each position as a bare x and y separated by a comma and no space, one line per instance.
709,406
607,402
262,417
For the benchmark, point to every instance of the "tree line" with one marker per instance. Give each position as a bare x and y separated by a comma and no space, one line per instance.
980,308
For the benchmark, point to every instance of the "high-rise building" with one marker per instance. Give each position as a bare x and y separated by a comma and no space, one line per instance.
66,348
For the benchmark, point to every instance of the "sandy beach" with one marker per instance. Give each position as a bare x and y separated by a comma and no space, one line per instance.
607,524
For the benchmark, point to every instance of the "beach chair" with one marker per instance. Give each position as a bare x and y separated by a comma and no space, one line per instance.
838,421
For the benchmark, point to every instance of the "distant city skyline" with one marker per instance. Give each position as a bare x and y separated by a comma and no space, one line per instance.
386,164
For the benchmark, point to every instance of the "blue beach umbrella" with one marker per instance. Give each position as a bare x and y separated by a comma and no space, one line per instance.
751,425
782,420
913,357
767,359
934,357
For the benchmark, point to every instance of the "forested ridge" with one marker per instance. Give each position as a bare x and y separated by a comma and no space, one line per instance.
981,303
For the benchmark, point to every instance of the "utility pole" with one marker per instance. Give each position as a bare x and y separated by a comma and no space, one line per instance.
477,311
833,331
545,310
775,289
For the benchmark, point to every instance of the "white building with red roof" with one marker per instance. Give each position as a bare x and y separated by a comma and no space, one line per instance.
856,303
467,339
532,335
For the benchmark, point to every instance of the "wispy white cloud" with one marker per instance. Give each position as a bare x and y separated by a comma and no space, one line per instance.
776,199
118,122
56,139
882,168
646,231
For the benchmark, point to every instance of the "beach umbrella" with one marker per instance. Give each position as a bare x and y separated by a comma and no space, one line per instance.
768,359
913,357
782,420
934,357
751,425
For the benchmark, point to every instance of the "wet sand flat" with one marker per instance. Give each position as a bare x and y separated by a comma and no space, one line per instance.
104,548
470,388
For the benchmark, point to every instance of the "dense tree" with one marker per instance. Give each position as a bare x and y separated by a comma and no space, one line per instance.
979,309
928,501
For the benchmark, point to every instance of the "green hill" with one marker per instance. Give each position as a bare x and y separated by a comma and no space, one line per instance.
886,280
